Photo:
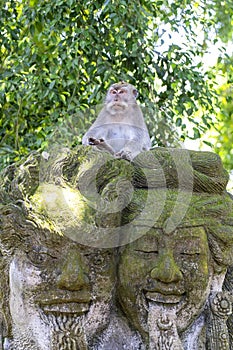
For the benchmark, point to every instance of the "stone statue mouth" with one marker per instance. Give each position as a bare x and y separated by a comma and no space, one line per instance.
160,298
73,304
66,308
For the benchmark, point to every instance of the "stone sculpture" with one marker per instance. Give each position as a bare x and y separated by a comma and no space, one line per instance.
56,294
170,282
100,253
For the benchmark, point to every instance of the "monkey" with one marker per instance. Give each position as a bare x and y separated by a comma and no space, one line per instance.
120,128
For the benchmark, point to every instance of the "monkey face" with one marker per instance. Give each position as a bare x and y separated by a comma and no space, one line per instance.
118,97
118,94
121,93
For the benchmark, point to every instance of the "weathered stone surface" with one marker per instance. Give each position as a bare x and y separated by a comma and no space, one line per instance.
100,253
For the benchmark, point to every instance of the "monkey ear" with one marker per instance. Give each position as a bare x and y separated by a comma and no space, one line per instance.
135,93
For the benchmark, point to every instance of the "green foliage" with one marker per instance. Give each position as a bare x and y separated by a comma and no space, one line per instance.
223,12
58,57
224,138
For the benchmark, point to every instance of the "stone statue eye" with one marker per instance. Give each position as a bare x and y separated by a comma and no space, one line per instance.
38,257
190,253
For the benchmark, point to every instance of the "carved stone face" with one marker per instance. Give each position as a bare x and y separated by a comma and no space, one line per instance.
169,272
60,294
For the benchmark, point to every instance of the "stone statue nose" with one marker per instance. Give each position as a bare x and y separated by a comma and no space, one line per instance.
73,273
166,269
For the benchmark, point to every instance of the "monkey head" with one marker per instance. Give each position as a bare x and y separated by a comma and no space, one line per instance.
120,96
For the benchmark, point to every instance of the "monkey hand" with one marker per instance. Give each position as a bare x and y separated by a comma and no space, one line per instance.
124,154
100,144
94,142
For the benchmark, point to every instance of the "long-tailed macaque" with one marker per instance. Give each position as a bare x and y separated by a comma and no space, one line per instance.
120,128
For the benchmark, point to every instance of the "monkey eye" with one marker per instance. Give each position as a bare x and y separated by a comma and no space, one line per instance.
114,92
122,91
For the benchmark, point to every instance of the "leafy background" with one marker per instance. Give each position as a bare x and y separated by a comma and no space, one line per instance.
58,57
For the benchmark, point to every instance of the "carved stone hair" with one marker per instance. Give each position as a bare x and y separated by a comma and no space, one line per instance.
200,174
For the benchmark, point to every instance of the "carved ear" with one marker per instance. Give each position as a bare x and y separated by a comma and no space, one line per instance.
135,93
5,326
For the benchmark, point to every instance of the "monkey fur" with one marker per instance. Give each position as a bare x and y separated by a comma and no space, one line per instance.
119,128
